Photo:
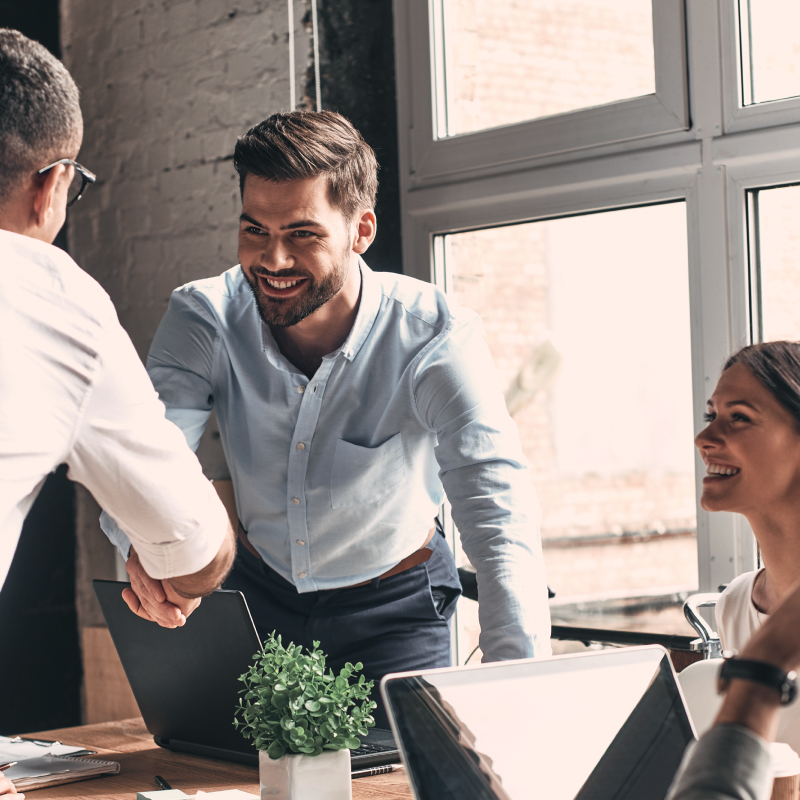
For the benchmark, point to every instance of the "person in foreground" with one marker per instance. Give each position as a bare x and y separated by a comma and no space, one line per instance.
731,761
751,448
72,389
350,404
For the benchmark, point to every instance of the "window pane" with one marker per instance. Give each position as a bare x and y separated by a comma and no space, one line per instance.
508,61
778,238
587,319
770,49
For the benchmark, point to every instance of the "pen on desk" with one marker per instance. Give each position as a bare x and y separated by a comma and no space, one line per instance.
162,784
369,771
7,765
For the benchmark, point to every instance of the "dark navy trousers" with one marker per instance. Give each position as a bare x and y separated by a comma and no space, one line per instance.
390,625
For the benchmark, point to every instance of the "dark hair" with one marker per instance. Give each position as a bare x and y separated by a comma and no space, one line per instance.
776,365
304,144
40,112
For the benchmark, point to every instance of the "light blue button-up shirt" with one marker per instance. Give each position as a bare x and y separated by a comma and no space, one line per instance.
338,477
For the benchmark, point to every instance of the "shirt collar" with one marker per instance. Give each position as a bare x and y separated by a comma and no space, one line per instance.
368,307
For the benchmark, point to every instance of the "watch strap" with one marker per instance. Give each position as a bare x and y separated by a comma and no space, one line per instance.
759,672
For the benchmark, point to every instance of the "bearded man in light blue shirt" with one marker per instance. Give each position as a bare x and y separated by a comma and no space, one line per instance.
350,403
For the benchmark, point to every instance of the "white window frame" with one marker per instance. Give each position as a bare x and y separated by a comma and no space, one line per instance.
710,158
422,75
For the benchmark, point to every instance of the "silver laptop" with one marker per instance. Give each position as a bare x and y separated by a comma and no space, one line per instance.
610,725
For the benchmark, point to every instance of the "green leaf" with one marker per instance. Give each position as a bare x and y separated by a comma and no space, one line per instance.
290,702
275,750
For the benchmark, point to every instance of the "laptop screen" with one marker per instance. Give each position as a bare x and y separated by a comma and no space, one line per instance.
589,727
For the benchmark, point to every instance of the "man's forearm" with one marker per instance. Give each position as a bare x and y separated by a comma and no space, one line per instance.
210,578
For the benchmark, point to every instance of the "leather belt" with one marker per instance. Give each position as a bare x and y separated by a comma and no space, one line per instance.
414,560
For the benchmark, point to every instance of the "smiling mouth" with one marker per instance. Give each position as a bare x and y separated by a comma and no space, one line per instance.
277,287
721,471
282,284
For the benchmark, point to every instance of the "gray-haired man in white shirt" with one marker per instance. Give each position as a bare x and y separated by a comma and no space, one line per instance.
72,388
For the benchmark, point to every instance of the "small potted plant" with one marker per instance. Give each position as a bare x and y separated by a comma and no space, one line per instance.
303,720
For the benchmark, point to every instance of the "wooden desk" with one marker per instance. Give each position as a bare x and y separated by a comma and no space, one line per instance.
129,743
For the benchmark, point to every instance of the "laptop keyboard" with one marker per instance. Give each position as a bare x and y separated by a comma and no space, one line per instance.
376,750
367,748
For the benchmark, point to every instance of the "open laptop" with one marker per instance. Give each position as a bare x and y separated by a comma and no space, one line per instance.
186,680
610,725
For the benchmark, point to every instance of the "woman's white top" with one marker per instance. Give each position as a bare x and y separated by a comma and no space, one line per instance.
737,621
73,390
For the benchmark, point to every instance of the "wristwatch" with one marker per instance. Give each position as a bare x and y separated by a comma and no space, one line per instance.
785,683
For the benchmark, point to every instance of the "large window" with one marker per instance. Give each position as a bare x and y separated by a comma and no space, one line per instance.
587,319
622,223
506,61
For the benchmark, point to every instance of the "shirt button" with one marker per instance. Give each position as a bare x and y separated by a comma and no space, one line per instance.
301,574
301,389
296,501
301,446
300,542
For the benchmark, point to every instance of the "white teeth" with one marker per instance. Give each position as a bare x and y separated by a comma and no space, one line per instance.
281,284
718,469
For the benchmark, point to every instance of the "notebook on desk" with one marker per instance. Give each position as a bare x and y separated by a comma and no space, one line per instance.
602,726
186,680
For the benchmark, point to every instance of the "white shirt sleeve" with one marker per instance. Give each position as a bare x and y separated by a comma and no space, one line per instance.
138,467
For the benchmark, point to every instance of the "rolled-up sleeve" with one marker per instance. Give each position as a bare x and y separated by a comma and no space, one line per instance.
729,762
485,477
137,465
181,363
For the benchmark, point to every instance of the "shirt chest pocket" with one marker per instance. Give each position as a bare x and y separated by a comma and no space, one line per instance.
364,475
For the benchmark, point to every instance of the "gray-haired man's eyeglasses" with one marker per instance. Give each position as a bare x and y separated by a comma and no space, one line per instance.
80,179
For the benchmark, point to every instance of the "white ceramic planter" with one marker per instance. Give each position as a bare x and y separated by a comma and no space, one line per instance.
300,777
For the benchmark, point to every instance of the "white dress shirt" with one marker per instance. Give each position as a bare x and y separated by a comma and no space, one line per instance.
73,390
339,477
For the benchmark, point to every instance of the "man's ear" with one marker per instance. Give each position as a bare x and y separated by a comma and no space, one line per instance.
366,228
46,187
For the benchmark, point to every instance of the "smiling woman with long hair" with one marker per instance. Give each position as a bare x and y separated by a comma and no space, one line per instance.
751,449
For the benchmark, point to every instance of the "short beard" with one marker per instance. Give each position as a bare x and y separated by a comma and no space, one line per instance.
283,313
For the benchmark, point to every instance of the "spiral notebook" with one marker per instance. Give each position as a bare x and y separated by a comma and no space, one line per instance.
36,773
